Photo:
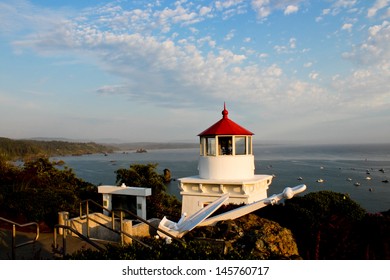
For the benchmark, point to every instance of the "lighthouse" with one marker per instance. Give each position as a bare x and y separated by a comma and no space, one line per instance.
226,165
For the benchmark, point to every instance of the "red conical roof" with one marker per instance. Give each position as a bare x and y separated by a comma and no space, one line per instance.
225,126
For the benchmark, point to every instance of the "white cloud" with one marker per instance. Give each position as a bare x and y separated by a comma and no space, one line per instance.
308,64
293,43
204,10
347,27
325,11
283,49
263,55
229,8
313,75
230,35
264,8
340,5
376,48
227,4
159,57
345,3
379,4
291,9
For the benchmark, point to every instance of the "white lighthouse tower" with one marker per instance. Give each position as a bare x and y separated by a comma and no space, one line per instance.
226,165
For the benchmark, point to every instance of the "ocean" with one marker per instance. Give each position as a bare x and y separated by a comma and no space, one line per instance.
356,170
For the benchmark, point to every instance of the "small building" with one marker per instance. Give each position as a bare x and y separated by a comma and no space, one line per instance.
226,165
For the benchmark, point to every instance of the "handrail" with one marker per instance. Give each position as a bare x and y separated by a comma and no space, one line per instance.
149,224
121,232
112,212
83,237
14,224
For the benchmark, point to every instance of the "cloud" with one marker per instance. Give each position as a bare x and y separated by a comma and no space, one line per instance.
205,11
338,6
158,56
291,9
379,4
313,75
375,48
230,35
293,43
220,5
283,49
230,8
308,64
264,8
347,27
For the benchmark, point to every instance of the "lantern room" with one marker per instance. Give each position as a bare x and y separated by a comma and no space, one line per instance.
226,151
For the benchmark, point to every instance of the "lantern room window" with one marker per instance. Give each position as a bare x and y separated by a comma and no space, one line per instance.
240,145
210,146
225,145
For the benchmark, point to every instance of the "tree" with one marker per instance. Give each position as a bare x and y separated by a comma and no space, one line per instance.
160,203
37,191
325,224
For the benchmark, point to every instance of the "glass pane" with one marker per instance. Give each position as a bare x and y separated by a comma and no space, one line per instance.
211,146
202,146
225,145
240,145
250,145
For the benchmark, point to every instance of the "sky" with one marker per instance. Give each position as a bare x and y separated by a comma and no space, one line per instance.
127,71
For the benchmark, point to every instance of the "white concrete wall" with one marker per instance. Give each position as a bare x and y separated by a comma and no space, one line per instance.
197,192
226,167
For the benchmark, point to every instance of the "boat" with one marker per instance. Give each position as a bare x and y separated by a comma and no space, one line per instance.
320,181
299,178
385,181
368,178
357,184
141,150
349,179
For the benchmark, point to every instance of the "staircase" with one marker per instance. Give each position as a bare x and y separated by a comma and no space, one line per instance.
88,231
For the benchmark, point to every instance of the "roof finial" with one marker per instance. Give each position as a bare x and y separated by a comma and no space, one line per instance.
225,112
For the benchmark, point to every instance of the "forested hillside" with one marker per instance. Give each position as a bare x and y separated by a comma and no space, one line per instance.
28,149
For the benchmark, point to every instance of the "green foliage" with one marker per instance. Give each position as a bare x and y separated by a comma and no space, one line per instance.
325,224
37,191
32,149
191,250
141,175
160,203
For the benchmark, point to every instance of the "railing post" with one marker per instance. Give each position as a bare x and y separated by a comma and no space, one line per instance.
121,226
62,220
64,242
13,242
113,220
87,211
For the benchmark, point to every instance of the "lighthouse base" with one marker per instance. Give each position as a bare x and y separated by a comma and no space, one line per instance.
197,192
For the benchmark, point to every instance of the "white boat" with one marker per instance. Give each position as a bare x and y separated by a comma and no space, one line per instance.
368,178
349,179
357,184
320,181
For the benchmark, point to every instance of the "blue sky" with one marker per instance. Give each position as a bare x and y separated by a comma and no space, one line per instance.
288,70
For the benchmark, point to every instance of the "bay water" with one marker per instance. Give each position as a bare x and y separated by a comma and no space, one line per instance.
359,171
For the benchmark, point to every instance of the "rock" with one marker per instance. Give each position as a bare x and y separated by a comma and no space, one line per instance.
252,237
167,175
